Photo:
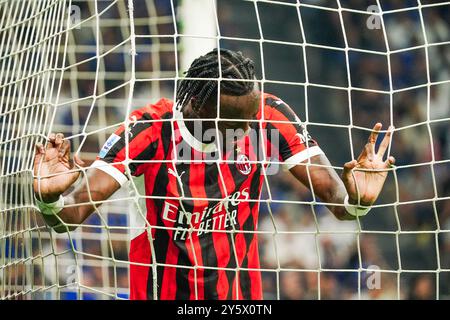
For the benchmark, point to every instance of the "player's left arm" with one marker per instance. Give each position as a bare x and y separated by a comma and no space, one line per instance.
362,179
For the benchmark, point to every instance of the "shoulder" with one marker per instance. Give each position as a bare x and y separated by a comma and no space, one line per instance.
276,109
162,109
272,101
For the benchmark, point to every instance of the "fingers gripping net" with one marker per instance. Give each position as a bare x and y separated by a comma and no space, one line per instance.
81,67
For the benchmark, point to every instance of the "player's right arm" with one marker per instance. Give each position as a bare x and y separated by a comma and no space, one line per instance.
54,174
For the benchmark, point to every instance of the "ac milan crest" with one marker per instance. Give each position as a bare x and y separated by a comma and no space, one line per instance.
243,164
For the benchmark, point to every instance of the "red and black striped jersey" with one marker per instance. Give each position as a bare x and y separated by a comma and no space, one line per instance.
192,238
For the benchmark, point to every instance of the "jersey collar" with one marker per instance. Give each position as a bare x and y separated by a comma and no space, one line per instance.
189,138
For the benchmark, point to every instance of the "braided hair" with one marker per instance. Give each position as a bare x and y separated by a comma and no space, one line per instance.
234,66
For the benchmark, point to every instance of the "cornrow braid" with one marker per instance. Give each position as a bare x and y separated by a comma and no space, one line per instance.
234,66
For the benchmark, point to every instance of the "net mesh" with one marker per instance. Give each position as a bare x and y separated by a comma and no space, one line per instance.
80,67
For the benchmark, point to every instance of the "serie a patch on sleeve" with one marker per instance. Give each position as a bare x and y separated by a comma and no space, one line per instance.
108,145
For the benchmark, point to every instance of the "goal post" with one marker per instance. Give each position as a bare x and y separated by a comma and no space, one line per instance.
80,67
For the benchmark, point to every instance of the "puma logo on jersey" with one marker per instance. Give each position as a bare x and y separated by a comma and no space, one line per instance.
174,173
133,123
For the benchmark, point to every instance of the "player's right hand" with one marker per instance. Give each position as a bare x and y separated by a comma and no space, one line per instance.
51,168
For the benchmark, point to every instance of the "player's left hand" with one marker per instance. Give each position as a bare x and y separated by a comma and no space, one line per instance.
363,187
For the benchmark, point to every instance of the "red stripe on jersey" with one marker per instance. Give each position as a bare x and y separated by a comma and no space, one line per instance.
121,129
223,251
287,130
241,249
140,247
244,215
256,292
226,184
151,207
220,239
197,172
139,253
136,145
169,285
240,243
192,276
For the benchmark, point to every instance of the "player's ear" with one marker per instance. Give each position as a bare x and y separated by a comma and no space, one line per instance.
194,104
208,109
196,108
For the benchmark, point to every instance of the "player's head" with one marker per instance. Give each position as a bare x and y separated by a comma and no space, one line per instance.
239,99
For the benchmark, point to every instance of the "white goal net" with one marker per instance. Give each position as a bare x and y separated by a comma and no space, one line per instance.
80,67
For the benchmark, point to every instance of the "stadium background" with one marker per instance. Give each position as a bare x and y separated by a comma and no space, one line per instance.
328,104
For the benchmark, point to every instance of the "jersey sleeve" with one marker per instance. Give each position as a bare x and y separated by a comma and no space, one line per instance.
143,141
294,144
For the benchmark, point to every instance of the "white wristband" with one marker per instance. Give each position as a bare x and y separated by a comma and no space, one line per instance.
354,210
51,209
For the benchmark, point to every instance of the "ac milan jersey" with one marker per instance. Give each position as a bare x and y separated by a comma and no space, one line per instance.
192,237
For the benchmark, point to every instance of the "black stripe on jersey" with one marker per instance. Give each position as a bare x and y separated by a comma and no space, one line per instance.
232,263
283,146
231,275
284,109
244,276
182,274
135,129
290,115
146,154
166,133
209,256
162,239
249,225
256,142
254,186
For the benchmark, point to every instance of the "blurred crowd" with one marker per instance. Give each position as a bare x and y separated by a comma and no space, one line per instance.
419,101
397,81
